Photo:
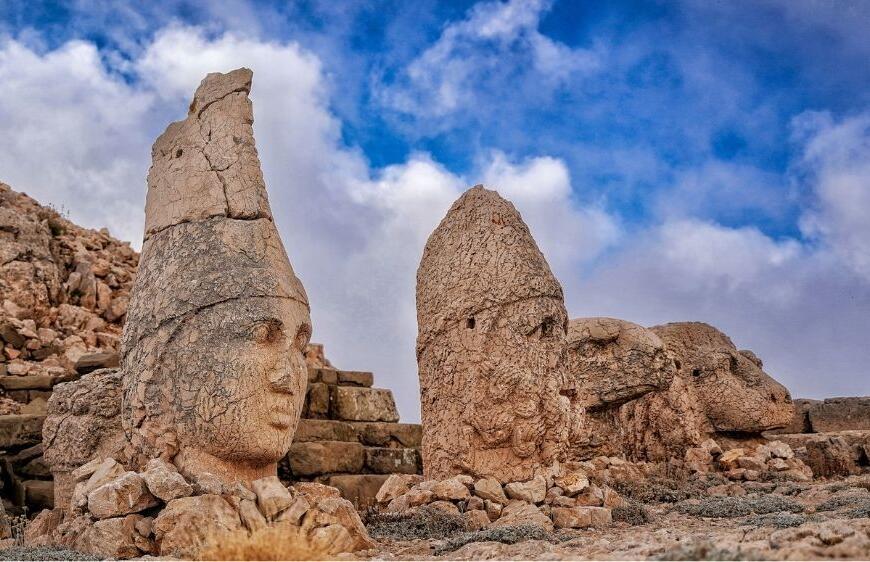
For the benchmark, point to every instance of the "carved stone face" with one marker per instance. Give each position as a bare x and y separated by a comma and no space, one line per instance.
240,377
736,395
516,355
490,347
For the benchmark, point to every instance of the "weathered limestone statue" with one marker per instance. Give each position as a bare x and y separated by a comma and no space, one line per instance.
212,352
490,345
717,391
610,362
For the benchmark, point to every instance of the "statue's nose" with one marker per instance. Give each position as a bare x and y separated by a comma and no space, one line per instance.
285,372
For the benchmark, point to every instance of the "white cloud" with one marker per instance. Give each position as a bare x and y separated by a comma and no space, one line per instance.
354,234
836,163
495,38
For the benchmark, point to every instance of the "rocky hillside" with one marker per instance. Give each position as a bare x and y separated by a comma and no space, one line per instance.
64,291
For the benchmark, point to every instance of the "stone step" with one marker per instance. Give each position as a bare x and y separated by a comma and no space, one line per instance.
359,489
339,377
320,458
374,434
20,430
349,403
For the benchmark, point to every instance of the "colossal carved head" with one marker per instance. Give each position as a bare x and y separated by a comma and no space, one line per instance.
217,325
734,393
490,346
609,362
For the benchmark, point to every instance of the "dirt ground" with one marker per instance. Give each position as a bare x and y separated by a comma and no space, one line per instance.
785,521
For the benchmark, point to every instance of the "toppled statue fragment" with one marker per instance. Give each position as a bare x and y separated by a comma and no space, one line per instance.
212,351
717,390
490,345
610,362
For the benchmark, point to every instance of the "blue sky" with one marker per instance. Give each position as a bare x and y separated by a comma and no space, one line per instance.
675,160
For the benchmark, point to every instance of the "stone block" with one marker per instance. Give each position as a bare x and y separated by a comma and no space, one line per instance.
840,414
19,430
27,382
317,401
356,378
39,494
380,434
363,404
93,361
359,489
326,457
324,430
800,423
384,460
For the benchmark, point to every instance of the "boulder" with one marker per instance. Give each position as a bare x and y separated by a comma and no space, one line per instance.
490,489
118,537
164,481
532,491
450,490
186,525
123,495
395,486
272,496
522,513
581,517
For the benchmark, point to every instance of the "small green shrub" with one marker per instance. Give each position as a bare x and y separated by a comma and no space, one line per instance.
631,512
782,520
419,523
725,507
506,535
43,553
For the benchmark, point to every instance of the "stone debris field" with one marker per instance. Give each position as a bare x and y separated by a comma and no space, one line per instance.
170,404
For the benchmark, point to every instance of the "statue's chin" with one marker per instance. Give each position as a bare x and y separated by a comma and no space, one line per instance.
193,463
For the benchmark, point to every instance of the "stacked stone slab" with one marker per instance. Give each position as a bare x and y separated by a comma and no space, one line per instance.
832,435
349,436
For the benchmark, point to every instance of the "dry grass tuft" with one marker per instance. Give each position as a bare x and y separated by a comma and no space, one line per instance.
276,542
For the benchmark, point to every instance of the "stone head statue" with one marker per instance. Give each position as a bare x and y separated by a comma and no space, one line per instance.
212,352
490,345
735,393
610,362
717,392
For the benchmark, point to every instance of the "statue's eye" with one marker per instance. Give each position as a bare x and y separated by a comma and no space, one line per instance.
268,331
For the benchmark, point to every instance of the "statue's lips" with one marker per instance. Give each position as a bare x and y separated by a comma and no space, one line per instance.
281,413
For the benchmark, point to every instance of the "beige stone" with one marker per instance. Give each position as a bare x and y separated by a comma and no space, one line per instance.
532,491
272,496
572,482
251,517
295,511
328,511
354,403
450,490
108,470
522,513
475,519
123,495
395,486
164,481
182,528
490,489
411,498
217,322
491,333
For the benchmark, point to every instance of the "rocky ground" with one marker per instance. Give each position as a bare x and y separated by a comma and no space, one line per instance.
667,520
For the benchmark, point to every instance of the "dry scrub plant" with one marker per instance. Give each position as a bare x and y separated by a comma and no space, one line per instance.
277,542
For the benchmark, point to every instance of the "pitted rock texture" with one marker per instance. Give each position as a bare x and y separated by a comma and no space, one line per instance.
610,362
63,297
717,390
490,346
212,352
83,423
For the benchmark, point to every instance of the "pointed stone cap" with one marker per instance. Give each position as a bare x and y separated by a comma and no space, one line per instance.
481,256
207,165
209,234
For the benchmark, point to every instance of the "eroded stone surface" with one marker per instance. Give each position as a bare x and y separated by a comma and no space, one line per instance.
717,389
218,322
610,362
490,345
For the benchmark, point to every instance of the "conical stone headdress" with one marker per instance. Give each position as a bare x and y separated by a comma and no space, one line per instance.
209,240
491,322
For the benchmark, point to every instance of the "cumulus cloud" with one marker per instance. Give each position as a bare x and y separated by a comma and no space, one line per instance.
494,39
354,234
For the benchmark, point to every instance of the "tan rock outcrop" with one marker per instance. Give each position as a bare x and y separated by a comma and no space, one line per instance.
490,345
717,389
610,362
212,354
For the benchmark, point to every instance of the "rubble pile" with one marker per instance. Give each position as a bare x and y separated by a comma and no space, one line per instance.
770,461
123,514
